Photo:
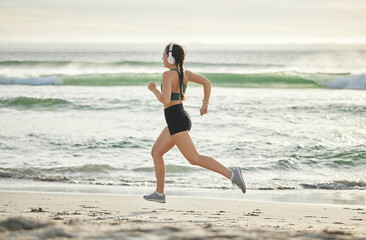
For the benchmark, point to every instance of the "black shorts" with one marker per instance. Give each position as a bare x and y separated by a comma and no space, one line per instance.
177,118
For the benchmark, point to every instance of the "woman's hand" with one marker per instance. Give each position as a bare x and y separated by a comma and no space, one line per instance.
152,86
203,109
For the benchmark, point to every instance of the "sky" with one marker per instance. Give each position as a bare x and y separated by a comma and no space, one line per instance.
185,21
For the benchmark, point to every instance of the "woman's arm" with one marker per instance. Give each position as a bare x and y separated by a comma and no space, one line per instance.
193,77
163,97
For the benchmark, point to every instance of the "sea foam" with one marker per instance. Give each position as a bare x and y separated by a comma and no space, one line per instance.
349,82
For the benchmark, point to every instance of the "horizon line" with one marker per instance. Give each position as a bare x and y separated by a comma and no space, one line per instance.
190,43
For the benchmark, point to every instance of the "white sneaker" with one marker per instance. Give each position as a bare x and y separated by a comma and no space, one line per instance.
238,179
155,198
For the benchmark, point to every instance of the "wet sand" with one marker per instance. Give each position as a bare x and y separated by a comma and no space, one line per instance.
88,216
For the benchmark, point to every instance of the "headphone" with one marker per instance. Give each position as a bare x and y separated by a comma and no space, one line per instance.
171,59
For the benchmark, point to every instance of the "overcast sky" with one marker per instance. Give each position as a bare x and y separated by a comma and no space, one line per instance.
187,21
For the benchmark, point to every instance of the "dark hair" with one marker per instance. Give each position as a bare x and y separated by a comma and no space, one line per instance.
179,54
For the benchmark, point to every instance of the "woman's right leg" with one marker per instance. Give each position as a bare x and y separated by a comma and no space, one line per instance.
186,147
162,145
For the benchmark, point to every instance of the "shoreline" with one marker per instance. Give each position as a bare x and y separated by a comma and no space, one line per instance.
85,216
342,197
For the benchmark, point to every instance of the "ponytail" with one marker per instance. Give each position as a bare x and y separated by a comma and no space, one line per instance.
181,78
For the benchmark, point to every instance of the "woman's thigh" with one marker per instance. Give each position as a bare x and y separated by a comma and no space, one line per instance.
163,143
185,145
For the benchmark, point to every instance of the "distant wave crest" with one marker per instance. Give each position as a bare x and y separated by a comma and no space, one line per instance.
140,73
30,80
31,102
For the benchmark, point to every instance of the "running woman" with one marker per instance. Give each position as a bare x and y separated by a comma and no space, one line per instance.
176,133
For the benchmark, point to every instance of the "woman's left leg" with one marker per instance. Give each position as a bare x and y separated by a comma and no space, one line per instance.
185,145
162,145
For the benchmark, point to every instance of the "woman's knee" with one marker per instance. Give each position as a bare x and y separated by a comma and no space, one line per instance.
194,160
156,153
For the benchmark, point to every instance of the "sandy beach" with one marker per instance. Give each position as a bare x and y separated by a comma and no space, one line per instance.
87,216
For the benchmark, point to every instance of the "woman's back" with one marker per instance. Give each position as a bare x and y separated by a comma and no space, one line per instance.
175,80
172,77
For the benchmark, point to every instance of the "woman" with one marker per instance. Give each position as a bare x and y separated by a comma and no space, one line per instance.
174,84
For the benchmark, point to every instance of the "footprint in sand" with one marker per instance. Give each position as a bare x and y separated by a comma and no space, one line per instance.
254,213
356,219
68,213
98,213
37,210
85,206
251,214
216,214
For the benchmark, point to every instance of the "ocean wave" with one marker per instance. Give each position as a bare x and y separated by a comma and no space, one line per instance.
96,168
42,178
93,144
284,164
122,79
262,80
337,185
250,80
99,174
35,171
280,79
349,82
30,80
331,185
84,64
106,180
337,158
33,103
16,63
58,174
51,104
92,174
352,108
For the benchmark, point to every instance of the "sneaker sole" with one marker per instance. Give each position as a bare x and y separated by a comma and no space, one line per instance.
155,200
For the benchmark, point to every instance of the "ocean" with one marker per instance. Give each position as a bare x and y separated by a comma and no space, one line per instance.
85,122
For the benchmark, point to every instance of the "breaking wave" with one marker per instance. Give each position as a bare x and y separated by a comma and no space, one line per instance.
252,80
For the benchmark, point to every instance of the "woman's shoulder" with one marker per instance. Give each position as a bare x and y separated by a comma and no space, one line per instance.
168,73
187,73
190,75
167,76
